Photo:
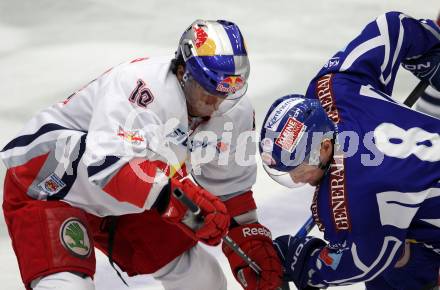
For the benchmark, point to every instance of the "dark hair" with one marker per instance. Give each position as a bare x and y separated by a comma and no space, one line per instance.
175,62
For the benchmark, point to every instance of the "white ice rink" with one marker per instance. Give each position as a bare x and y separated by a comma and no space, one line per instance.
49,48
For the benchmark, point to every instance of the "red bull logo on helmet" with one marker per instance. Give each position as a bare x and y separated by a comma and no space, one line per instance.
230,84
201,36
205,46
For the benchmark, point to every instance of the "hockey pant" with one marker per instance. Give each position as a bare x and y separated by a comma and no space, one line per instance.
52,237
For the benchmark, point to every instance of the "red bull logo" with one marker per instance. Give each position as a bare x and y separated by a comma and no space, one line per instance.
230,84
130,136
201,36
205,46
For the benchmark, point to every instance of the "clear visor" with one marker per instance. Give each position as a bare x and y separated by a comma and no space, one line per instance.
229,102
224,103
236,95
281,177
284,178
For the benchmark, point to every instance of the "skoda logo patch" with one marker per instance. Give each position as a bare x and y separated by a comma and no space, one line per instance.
74,237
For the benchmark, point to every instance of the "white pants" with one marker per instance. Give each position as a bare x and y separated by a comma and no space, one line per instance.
64,281
196,269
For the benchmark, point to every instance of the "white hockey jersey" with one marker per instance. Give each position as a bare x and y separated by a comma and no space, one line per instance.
134,112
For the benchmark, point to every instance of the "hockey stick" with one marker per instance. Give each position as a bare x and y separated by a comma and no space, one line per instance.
226,239
416,93
306,228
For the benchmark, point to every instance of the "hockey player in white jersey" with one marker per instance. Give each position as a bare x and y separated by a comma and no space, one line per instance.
99,170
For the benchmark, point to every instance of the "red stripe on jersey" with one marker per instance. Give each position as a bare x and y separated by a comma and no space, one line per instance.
241,204
25,174
133,182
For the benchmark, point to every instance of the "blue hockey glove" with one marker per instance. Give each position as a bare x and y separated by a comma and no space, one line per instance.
293,252
426,67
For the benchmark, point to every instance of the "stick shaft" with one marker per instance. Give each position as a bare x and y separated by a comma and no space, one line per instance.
416,93
306,228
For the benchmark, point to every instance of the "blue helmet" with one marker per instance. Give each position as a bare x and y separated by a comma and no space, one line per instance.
292,133
215,56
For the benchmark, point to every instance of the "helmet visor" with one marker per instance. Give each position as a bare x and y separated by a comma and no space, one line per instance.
237,94
282,178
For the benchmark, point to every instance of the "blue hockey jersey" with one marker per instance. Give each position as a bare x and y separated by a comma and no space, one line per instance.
383,186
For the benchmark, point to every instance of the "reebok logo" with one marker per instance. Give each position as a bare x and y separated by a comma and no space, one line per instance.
247,232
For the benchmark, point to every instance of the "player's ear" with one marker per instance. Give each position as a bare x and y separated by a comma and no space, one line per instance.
326,150
180,72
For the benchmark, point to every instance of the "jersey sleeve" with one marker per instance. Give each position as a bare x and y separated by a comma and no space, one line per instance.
358,258
374,56
119,141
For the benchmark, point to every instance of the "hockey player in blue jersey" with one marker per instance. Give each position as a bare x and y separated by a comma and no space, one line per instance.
375,163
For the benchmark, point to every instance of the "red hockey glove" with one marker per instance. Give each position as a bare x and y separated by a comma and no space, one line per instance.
215,222
256,241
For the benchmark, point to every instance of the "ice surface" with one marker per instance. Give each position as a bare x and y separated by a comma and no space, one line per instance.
50,48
